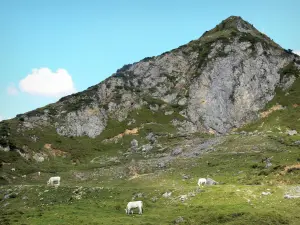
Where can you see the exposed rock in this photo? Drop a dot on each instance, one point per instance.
(151, 137)
(138, 195)
(89, 121)
(167, 194)
(176, 151)
(5, 149)
(216, 84)
(297, 142)
(154, 108)
(182, 101)
(265, 193)
(183, 198)
(186, 127)
(179, 220)
(154, 199)
(161, 165)
(39, 157)
(185, 177)
(134, 145)
(291, 132)
(287, 196)
(146, 148)
(169, 113)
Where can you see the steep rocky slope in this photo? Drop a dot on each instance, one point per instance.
(214, 84)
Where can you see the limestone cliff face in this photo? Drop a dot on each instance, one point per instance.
(219, 81)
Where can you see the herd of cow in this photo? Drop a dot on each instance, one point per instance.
(55, 181)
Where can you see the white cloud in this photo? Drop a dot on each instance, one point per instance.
(297, 52)
(1, 118)
(12, 90)
(44, 82)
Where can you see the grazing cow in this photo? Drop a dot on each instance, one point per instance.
(24, 176)
(39, 173)
(201, 181)
(13, 169)
(54, 181)
(133, 205)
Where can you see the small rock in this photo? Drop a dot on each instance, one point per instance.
(287, 196)
(266, 193)
(161, 165)
(151, 137)
(169, 113)
(179, 220)
(134, 145)
(191, 194)
(154, 199)
(176, 151)
(138, 195)
(183, 197)
(167, 194)
(297, 142)
(147, 148)
(185, 177)
(182, 101)
(25, 198)
(268, 164)
(291, 132)
(154, 108)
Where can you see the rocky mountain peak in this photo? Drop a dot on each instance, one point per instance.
(213, 84)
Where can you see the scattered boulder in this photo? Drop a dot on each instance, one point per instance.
(191, 194)
(169, 113)
(287, 196)
(291, 132)
(176, 151)
(134, 145)
(154, 107)
(265, 193)
(147, 148)
(167, 194)
(151, 137)
(179, 220)
(183, 198)
(297, 142)
(185, 177)
(161, 165)
(154, 199)
(182, 101)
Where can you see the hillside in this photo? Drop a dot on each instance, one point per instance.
(216, 106)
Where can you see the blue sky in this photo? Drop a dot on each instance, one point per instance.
(52, 48)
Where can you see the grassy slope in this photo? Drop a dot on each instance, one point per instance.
(236, 163)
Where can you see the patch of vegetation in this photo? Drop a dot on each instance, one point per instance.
(153, 101)
(77, 104)
(288, 70)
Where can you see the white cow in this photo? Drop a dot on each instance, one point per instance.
(201, 181)
(54, 181)
(39, 173)
(13, 169)
(133, 205)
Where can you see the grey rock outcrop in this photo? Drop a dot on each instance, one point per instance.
(134, 145)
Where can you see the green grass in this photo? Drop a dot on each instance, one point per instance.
(236, 164)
